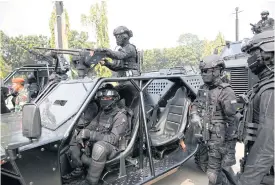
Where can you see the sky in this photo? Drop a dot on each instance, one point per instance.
(155, 23)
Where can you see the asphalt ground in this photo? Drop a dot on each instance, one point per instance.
(189, 170)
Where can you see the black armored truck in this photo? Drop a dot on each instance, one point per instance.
(35, 142)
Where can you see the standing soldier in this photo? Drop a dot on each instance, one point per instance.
(264, 23)
(125, 61)
(22, 97)
(214, 111)
(258, 133)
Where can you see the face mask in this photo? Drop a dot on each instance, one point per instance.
(256, 61)
(207, 77)
(121, 39)
(106, 104)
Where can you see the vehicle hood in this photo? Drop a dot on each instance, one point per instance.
(11, 130)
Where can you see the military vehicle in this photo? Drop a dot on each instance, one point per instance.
(45, 66)
(35, 142)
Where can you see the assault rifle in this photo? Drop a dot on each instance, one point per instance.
(255, 28)
(82, 58)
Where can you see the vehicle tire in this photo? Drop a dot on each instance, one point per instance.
(201, 157)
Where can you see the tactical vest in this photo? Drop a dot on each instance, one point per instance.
(251, 116)
(129, 64)
(209, 108)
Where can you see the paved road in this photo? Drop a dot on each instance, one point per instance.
(190, 171)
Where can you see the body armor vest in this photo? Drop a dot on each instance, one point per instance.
(251, 110)
(209, 108)
(104, 121)
(129, 64)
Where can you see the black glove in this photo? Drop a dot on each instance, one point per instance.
(86, 134)
(83, 134)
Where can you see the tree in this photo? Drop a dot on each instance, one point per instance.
(5, 69)
(210, 46)
(98, 20)
(13, 52)
(189, 52)
(79, 40)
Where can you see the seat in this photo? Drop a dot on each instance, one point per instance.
(173, 120)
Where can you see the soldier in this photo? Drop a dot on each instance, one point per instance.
(259, 112)
(214, 111)
(4, 96)
(125, 61)
(104, 134)
(22, 97)
(263, 24)
(32, 87)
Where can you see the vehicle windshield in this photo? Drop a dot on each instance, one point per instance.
(62, 103)
(234, 49)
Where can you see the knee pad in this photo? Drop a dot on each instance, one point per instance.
(99, 151)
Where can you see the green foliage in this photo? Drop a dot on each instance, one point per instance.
(5, 69)
(97, 18)
(210, 46)
(79, 40)
(189, 52)
(12, 52)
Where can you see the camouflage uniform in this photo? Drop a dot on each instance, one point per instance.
(21, 99)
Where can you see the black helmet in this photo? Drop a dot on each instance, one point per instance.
(261, 51)
(31, 78)
(107, 96)
(122, 29)
(265, 12)
(212, 61)
(211, 68)
(264, 41)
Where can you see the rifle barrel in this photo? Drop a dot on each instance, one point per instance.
(65, 50)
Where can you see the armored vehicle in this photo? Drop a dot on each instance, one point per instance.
(35, 142)
(241, 78)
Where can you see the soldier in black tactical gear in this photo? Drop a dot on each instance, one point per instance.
(265, 23)
(74, 152)
(214, 112)
(258, 120)
(32, 87)
(4, 96)
(104, 135)
(125, 61)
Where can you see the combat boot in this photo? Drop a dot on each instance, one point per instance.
(94, 172)
(75, 174)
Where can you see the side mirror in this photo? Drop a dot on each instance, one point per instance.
(31, 121)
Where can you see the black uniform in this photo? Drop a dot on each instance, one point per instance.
(32, 87)
(258, 131)
(125, 62)
(216, 107)
(89, 114)
(104, 135)
(107, 130)
(4, 95)
(264, 24)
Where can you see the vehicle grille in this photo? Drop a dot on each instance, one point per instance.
(239, 80)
